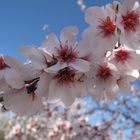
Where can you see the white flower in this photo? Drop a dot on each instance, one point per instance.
(66, 51)
(128, 22)
(67, 85)
(102, 31)
(104, 77)
(125, 59)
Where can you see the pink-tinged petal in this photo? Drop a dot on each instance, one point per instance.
(50, 43)
(81, 89)
(13, 62)
(45, 54)
(92, 41)
(69, 34)
(28, 72)
(84, 50)
(68, 95)
(38, 58)
(80, 65)
(130, 41)
(54, 90)
(14, 78)
(124, 83)
(43, 85)
(129, 5)
(22, 103)
(134, 61)
(1, 74)
(94, 14)
(38, 62)
(4, 87)
(55, 68)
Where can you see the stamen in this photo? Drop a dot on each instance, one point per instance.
(107, 27)
(65, 76)
(131, 21)
(66, 54)
(122, 56)
(2, 63)
(104, 72)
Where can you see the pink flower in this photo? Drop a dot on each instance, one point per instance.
(104, 78)
(125, 59)
(67, 84)
(102, 32)
(66, 51)
(128, 22)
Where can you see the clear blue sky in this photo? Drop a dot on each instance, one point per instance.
(22, 21)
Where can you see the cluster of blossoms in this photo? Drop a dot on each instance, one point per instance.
(105, 62)
(82, 121)
(52, 124)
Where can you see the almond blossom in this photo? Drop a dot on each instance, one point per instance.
(102, 29)
(125, 59)
(104, 76)
(67, 84)
(66, 51)
(128, 22)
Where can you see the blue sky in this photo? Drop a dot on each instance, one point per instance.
(22, 21)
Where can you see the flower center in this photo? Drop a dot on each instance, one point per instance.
(65, 76)
(107, 27)
(130, 21)
(104, 72)
(66, 54)
(2, 63)
(122, 55)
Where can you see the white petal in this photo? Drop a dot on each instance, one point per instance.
(129, 5)
(3, 85)
(13, 62)
(43, 85)
(14, 78)
(28, 72)
(50, 43)
(81, 89)
(22, 103)
(80, 65)
(69, 34)
(68, 95)
(54, 90)
(38, 62)
(56, 67)
(94, 14)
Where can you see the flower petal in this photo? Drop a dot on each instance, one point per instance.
(55, 68)
(14, 78)
(43, 85)
(69, 34)
(13, 62)
(80, 65)
(50, 43)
